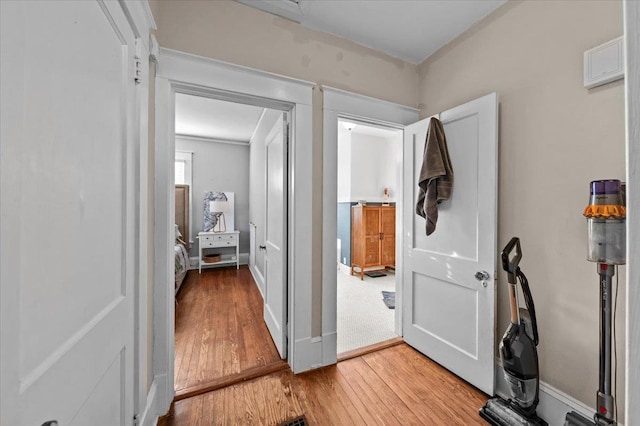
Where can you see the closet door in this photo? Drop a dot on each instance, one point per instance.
(69, 213)
(388, 231)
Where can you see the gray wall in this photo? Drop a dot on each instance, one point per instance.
(257, 183)
(219, 167)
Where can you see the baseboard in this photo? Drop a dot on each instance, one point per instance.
(344, 269)
(554, 404)
(258, 278)
(329, 348)
(149, 416)
(307, 354)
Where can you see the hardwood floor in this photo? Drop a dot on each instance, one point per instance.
(220, 331)
(396, 385)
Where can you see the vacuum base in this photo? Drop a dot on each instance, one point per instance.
(499, 412)
(575, 419)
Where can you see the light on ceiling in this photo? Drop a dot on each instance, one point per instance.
(348, 125)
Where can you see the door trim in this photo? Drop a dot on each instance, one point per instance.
(632, 100)
(342, 104)
(191, 74)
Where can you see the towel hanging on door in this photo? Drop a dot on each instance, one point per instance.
(436, 175)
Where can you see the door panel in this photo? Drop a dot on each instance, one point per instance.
(440, 300)
(388, 229)
(448, 314)
(371, 221)
(275, 238)
(460, 222)
(67, 199)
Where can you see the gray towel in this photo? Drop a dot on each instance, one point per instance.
(436, 175)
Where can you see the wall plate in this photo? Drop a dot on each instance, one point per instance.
(604, 63)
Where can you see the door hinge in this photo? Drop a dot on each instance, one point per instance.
(136, 419)
(138, 58)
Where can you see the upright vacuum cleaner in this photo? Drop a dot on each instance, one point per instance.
(518, 353)
(606, 214)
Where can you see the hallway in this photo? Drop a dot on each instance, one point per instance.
(220, 333)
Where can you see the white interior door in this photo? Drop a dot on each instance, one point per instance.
(275, 313)
(67, 213)
(448, 313)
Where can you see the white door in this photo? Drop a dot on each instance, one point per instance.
(275, 312)
(448, 313)
(67, 179)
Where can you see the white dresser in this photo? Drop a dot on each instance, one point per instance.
(210, 240)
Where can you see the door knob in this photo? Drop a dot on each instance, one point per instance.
(483, 276)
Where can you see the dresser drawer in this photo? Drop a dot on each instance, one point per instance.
(218, 240)
(219, 243)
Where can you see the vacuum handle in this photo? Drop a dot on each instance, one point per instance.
(528, 300)
(509, 263)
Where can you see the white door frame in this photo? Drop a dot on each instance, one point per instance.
(632, 99)
(342, 104)
(186, 73)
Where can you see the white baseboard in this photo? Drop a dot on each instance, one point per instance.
(149, 416)
(344, 269)
(307, 354)
(554, 404)
(258, 278)
(329, 348)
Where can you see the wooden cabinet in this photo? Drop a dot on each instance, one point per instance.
(373, 237)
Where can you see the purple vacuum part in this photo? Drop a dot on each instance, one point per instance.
(609, 186)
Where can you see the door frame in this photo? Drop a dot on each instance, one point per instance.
(632, 110)
(186, 73)
(337, 104)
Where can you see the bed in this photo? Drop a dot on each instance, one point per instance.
(182, 264)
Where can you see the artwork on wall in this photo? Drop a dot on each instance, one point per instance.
(218, 212)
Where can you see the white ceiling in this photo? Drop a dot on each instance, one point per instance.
(211, 118)
(410, 30)
(368, 129)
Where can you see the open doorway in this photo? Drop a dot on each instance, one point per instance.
(223, 155)
(369, 187)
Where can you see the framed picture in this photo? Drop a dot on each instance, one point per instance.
(218, 211)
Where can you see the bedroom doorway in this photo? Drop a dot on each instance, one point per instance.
(231, 296)
(369, 159)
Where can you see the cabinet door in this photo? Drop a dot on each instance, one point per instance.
(388, 230)
(371, 224)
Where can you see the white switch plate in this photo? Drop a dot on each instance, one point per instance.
(604, 64)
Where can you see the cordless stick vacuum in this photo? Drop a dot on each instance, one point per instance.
(605, 215)
(518, 353)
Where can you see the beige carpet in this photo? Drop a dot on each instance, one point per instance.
(363, 318)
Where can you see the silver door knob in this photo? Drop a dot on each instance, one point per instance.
(483, 276)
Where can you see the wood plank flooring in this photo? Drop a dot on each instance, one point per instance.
(220, 331)
(393, 386)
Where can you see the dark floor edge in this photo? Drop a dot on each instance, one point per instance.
(223, 382)
(371, 348)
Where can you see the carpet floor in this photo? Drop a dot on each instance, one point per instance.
(363, 318)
